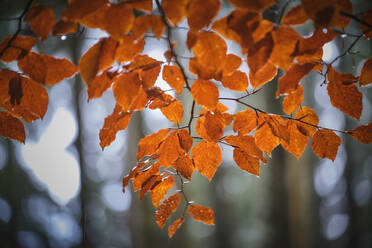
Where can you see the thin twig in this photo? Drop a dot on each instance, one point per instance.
(169, 38)
(356, 19)
(19, 28)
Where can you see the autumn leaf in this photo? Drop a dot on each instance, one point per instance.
(173, 76)
(77, 10)
(290, 81)
(344, 96)
(184, 166)
(98, 58)
(246, 162)
(145, 175)
(126, 88)
(185, 139)
(160, 190)
(149, 144)
(297, 140)
(128, 48)
(64, 27)
(116, 121)
(308, 120)
(17, 48)
(202, 214)
(327, 13)
(118, 20)
(296, 16)
(201, 12)
(253, 5)
(169, 150)
(166, 209)
(145, 5)
(41, 20)
(46, 69)
(325, 144)
(366, 73)
(205, 93)
(293, 100)
(173, 112)
(232, 63)
(30, 98)
(207, 157)
(99, 84)
(175, 11)
(174, 227)
(245, 143)
(237, 81)
(245, 121)
(265, 139)
(362, 133)
(11, 127)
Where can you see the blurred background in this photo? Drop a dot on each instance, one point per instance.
(61, 190)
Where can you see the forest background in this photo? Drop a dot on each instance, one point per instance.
(60, 189)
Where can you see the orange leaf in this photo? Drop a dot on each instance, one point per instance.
(41, 20)
(362, 133)
(99, 85)
(169, 150)
(46, 69)
(245, 121)
(278, 127)
(184, 166)
(17, 48)
(265, 139)
(253, 5)
(263, 27)
(262, 76)
(98, 58)
(185, 139)
(344, 94)
(202, 214)
(285, 40)
(327, 13)
(290, 81)
(174, 227)
(166, 209)
(246, 144)
(205, 93)
(210, 50)
(158, 26)
(214, 126)
(119, 19)
(175, 11)
(63, 27)
(151, 182)
(150, 144)
(296, 16)
(246, 162)
(11, 127)
(207, 157)
(293, 100)
(147, 68)
(297, 140)
(22, 97)
(232, 62)
(201, 12)
(307, 115)
(325, 144)
(236, 81)
(128, 48)
(366, 73)
(160, 190)
(173, 76)
(116, 121)
(144, 176)
(77, 10)
(140, 102)
(173, 112)
(126, 88)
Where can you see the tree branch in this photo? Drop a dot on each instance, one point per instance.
(19, 28)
